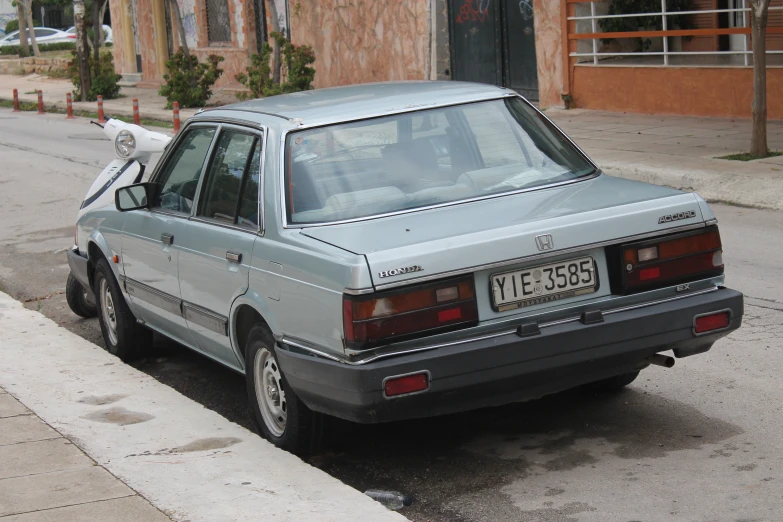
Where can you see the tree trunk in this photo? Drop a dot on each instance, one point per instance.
(174, 6)
(81, 48)
(101, 16)
(97, 29)
(25, 47)
(759, 12)
(28, 10)
(276, 65)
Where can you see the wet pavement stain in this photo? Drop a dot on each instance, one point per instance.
(208, 444)
(101, 400)
(119, 416)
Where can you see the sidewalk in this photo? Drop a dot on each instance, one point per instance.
(45, 477)
(680, 152)
(140, 436)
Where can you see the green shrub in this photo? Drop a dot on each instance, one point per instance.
(62, 46)
(104, 79)
(190, 82)
(11, 26)
(298, 74)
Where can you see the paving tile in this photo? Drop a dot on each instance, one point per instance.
(10, 407)
(24, 428)
(127, 509)
(29, 458)
(58, 489)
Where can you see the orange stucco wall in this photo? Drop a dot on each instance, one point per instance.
(698, 91)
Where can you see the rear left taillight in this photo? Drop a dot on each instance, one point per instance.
(669, 260)
(384, 317)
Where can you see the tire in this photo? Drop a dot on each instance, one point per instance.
(77, 300)
(613, 384)
(123, 336)
(281, 417)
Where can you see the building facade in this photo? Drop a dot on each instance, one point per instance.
(696, 61)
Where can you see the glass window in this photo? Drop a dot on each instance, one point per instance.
(405, 161)
(248, 204)
(14, 37)
(221, 189)
(39, 32)
(179, 177)
(218, 21)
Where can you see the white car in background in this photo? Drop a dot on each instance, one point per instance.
(106, 31)
(42, 35)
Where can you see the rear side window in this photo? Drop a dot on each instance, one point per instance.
(179, 178)
(230, 192)
(43, 32)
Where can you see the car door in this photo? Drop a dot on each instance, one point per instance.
(149, 237)
(217, 245)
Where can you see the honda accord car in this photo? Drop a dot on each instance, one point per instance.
(400, 250)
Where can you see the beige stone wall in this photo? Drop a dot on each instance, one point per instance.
(357, 41)
(549, 52)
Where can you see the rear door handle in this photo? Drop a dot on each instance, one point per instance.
(233, 256)
(167, 239)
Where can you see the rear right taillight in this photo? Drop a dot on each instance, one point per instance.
(381, 318)
(668, 260)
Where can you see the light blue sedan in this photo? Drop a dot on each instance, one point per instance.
(399, 250)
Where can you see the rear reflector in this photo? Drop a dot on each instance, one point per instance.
(707, 323)
(408, 384)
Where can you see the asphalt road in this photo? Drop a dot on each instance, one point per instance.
(701, 441)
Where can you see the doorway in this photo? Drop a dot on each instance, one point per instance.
(493, 41)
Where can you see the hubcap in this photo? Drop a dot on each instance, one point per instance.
(269, 392)
(109, 312)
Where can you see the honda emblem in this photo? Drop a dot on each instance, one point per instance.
(544, 242)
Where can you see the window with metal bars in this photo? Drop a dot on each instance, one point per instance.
(218, 21)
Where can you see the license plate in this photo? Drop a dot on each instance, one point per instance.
(544, 283)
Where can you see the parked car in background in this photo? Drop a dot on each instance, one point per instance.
(42, 35)
(106, 32)
(399, 250)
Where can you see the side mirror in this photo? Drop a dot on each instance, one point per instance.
(134, 197)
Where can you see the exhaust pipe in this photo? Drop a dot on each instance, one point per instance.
(662, 360)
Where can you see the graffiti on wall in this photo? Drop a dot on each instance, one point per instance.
(526, 8)
(473, 11)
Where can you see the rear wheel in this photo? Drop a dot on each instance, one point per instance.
(613, 384)
(76, 296)
(281, 417)
(123, 336)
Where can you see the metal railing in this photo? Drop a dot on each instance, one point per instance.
(665, 32)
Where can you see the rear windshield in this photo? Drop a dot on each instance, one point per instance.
(418, 159)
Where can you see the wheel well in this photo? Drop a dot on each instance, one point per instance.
(246, 318)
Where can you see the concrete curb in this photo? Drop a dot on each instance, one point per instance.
(737, 189)
(186, 460)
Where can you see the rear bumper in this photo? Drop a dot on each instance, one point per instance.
(499, 370)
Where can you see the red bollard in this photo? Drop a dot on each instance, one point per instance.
(176, 117)
(136, 118)
(16, 100)
(101, 118)
(40, 102)
(69, 106)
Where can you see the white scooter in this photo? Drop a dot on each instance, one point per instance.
(134, 146)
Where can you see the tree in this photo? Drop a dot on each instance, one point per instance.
(276, 65)
(98, 11)
(81, 48)
(22, 29)
(759, 13)
(27, 8)
(174, 7)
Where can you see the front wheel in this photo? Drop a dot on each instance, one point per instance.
(76, 296)
(281, 417)
(124, 337)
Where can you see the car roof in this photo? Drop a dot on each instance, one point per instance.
(355, 102)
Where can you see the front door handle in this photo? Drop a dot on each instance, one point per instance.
(167, 239)
(233, 256)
